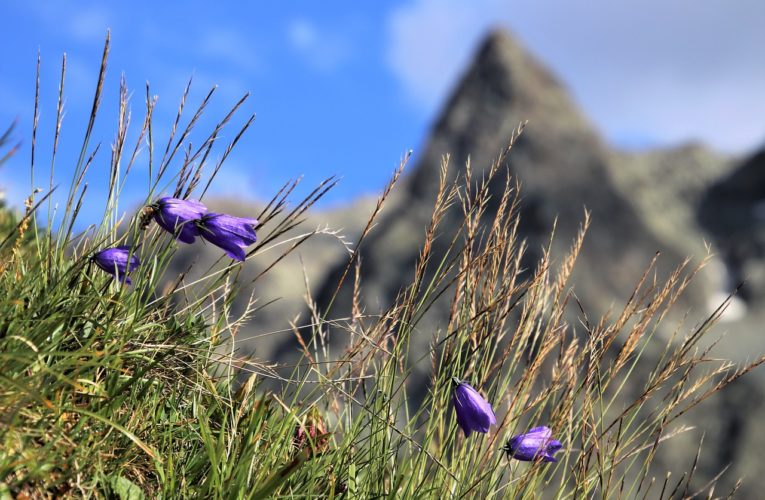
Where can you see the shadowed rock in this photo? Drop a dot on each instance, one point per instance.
(733, 211)
(563, 167)
(641, 203)
(560, 162)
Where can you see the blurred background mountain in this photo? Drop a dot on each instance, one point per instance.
(674, 201)
(648, 189)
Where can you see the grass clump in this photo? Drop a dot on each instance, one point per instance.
(109, 390)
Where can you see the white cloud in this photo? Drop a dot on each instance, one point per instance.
(228, 46)
(85, 23)
(89, 24)
(302, 34)
(431, 42)
(235, 179)
(671, 71)
(322, 50)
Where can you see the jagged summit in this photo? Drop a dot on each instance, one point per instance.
(503, 86)
(559, 159)
(641, 203)
(563, 166)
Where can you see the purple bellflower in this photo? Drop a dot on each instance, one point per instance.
(177, 217)
(536, 444)
(115, 262)
(473, 412)
(232, 234)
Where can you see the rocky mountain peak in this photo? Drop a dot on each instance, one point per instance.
(503, 86)
(563, 167)
(560, 161)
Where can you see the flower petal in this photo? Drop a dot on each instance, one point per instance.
(232, 234)
(115, 262)
(177, 216)
(473, 412)
(535, 444)
(234, 226)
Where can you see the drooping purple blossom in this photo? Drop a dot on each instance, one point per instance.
(232, 234)
(535, 444)
(178, 216)
(118, 262)
(474, 413)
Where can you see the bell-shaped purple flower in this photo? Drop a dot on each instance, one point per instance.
(473, 412)
(232, 234)
(536, 444)
(115, 262)
(178, 216)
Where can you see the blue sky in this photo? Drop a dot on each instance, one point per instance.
(347, 87)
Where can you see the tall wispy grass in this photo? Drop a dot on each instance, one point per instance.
(130, 392)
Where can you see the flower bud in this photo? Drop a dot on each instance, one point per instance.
(536, 444)
(473, 412)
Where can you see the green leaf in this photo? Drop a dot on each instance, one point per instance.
(280, 477)
(125, 489)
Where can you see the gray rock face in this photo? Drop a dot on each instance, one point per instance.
(281, 291)
(666, 186)
(640, 204)
(562, 165)
(733, 211)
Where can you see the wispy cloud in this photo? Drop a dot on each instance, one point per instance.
(228, 46)
(323, 50)
(89, 24)
(674, 71)
(430, 42)
(236, 179)
(85, 23)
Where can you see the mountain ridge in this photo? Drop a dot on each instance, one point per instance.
(640, 204)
